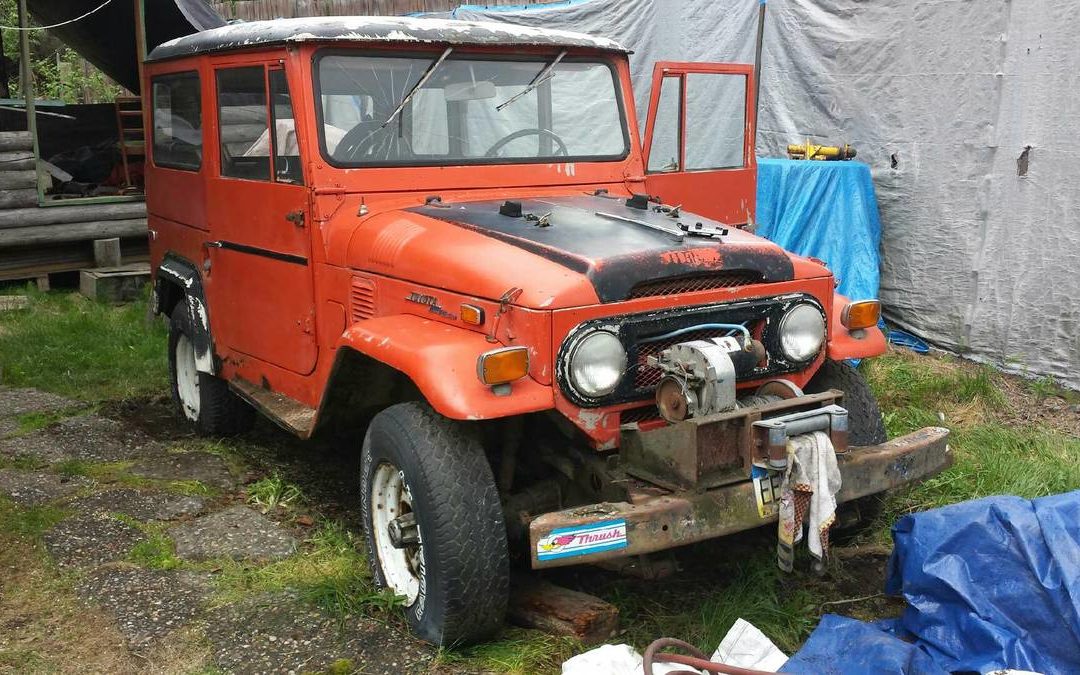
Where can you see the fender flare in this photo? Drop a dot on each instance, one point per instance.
(843, 344)
(185, 275)
(440, 360)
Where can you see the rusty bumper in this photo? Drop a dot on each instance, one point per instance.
(651, 523)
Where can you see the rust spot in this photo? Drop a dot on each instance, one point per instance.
(709, 257)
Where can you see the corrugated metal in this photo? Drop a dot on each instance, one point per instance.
(253, 10)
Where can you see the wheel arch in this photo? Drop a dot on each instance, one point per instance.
(398, 358)
(178, 280)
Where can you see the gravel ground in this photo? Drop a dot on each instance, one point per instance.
(147, 604)
(237, 532)
(138, 504)
(152, 608)
(33, 488)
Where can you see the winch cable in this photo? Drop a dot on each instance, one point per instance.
(697, 660)
(732, 327)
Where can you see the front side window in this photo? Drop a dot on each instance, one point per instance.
(470, 110)
(177, 134)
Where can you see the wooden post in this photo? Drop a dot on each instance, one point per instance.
(107, 252)
(539, 604)
(28, 89)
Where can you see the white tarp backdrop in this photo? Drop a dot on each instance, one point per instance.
(940, 97)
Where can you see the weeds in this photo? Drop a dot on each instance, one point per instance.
(86, 350)
(30, 522)
(272, 492)
(156, 551)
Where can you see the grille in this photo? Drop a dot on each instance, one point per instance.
(646, 414)
(362, 298)
(704, 282)
(646, 377)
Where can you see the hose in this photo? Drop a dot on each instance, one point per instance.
(702, 326)
(697, 660)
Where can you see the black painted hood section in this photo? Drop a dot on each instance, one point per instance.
(614, 254)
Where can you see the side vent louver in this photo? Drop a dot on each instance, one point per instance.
(362, 298)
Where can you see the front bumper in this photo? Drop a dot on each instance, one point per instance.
(655, 522)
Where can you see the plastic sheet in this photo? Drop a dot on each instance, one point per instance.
(826, 210)
(990, 584)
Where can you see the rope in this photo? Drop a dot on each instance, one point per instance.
(57, 25)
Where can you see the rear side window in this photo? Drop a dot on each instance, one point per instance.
(243, 123)
(177, 135)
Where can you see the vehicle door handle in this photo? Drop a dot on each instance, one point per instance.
(214, 244)
(295, 217)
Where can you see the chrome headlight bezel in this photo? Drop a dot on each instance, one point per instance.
(801, 333)
(587, 346)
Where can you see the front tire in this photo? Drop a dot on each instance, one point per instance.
(433, 523)
(202, 399)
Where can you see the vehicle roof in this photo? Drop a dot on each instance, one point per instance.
(381, 29)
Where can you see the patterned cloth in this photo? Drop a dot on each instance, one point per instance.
(807, 496)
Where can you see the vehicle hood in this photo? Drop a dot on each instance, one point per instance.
(588, 249)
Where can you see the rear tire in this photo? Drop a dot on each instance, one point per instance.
(425, 469)
(865, 427)
(204, 400)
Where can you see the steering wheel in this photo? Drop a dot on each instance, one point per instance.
(493, 151)
(357, 141)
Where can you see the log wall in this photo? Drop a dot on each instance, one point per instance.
(36, 240)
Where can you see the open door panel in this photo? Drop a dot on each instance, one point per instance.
(699, 139)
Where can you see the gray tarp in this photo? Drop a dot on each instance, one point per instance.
(941, 97)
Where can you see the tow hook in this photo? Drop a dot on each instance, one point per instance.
(403, 531)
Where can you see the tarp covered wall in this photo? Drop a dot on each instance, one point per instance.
(941, 97)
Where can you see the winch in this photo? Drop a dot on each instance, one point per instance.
(699, 376)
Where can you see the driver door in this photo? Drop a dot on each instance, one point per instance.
(699, 139)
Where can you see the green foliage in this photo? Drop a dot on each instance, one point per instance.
(517, 651)
(156, 551)
(272, 492)
(83, 349)
(29, 522)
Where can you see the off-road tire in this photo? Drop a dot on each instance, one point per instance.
(865, 427)
(466, 576)
(221, 412)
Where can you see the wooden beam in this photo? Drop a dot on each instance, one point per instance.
(52, 234)
(17, 160)
(539, 604)
(71, 214)
(11, 141)
(18, 199)
(18, 180)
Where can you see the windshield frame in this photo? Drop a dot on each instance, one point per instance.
(461, 54)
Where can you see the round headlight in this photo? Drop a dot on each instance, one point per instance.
(802, 331)
(597, 364)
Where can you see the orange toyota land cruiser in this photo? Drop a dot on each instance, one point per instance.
(551, 342)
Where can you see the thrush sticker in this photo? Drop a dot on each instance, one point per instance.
(579, 540)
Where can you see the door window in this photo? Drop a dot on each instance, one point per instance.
(242, 123)
(715, 121)
(177, 133)
(286, 146)
(665, 150)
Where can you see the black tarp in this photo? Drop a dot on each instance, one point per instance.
(107, 37)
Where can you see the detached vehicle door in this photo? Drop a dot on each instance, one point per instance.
(699, 147)
(261, 287)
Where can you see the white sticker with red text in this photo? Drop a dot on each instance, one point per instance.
(586, 539)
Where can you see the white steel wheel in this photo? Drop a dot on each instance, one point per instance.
(398, 545)
(187, 378)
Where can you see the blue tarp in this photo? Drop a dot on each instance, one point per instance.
(990, 584)
(825, 210)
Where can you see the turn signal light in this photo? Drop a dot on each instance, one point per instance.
(472, 315)
(500, 366)
(862, 314)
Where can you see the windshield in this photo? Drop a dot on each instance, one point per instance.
(469, 111)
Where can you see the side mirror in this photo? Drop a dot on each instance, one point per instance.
(469, 91)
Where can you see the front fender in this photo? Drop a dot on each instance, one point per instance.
(843, 344)
(184, 276)
(441, 361)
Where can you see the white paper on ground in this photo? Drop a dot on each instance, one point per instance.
(747, 647)
(614, 660)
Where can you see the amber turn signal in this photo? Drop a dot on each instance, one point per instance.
(862, 314)
(500, 366)
(472, 315)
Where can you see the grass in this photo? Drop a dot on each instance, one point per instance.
(90, 351)
(28, 523)
(117, 472)
(273, 491)
(330, 571)
(35, 421)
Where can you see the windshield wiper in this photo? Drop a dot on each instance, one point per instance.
(416, 87)
(540, 78)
